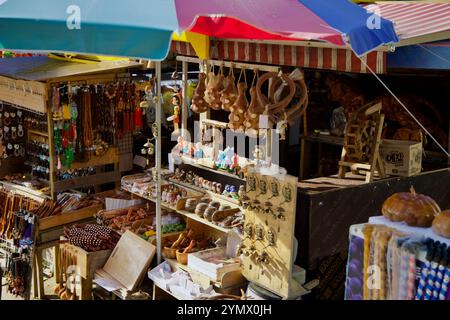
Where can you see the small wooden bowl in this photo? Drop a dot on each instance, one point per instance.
(182, 257)
(169, 253)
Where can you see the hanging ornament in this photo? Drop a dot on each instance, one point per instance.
(138, 119)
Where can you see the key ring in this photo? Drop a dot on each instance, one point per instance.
(10, 146)
(274, 188)
(6, 134)
(20, 132)
(16, 150)
(13, 133)
(7, 119)
(22, 151)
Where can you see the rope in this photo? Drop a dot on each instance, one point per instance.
(406, 109)
(434, 54)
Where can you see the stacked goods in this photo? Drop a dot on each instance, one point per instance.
(65, 203)
(219, 214)
(408, 267)
(137, 219)
(91, 237)
(185, 243)
(129, 183)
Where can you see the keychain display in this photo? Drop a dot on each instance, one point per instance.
(269, 204)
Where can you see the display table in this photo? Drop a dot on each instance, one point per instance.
(328, 206)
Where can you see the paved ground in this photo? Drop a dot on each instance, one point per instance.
(49, 285)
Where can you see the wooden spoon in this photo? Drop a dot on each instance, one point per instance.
(74, 295)
(63, 275)
(59, 286)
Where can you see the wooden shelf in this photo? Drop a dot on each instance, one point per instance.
(163, 205)
(82, 182)
(195, 217)
(185, 213)
(24, 191)
(110, 157)
(333, 140)
(193, 163)
(211, 194)
(38, 133)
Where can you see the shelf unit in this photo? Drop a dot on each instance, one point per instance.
(193, 163)
(213, 195)
(184, 213)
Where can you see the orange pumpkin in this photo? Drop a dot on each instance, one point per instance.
(441, 224)
(417, 210)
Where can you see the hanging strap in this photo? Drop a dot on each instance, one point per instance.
(231, 71)
(255, 77)
(240, 76)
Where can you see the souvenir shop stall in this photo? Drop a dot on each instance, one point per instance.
(66, 125)
(383, 144)
(234, 207)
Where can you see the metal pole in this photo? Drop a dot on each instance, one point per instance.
(158, 162)
(184, 109)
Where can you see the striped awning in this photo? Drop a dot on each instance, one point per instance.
(326, 58)
(413, 20)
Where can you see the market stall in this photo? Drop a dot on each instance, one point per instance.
(227, 216)
(402, 255)
(54, 151)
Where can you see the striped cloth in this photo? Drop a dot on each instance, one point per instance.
(438, 282)
(422, 281)
(444, 285)
(430, 281)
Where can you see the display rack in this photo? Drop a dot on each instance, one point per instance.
(8, 248)
(206, 115)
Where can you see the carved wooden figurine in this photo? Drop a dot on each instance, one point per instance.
(199, 104)
(238, 109)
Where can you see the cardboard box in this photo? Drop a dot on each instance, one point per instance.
(212, 262)
(401, 158)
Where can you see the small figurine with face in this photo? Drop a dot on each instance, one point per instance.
(180, 144)
(176, 112)
(198, 154)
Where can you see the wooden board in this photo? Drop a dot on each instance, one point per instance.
(68, 217)
(82, 182)
(31, 95)
(276, 274)
(130, 260)
(110, 157)
(88, 262)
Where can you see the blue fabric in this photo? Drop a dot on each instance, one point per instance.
(351, 20)
(109, 27)
(420, 57)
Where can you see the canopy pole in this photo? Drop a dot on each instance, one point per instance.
(184, 105)
(158, 161)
